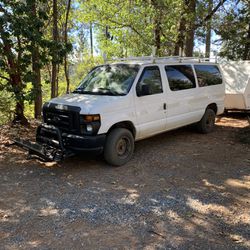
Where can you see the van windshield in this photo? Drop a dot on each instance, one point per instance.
(115, 79)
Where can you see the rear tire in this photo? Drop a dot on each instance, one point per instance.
(206, 124)
(119, 147)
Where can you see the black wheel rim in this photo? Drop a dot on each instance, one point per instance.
(210, 121)
(123, 147)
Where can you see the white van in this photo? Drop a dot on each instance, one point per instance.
(119, 103)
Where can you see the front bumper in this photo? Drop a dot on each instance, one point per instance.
(70, 141)
(53, 145)
(84, 143)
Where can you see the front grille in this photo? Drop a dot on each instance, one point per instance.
(67, 119)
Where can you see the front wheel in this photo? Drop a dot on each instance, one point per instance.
(119, 147)
(206, 124)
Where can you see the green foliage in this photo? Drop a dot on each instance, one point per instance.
(80, 69)
(131, 24)
(7, 106)
(234, 30)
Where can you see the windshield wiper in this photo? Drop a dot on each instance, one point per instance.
(105, 92)
(81, 91)
(108, 91)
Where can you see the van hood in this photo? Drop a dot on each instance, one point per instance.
(92, 104)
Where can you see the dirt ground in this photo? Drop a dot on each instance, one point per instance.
(181, 190)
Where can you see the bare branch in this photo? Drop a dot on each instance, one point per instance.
(4, 77)
(210, 15)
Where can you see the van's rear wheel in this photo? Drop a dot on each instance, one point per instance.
(206, 124)
(119, 146)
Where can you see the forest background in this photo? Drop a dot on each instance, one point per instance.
(48, 46)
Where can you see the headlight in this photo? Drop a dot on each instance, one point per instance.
(89, 128)
(90, 124)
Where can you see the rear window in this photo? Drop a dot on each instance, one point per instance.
(180, 77)
(208, 75)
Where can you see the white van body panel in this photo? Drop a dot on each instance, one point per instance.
(149, 110)
(112, 109)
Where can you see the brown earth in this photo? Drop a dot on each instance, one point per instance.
(181, 190)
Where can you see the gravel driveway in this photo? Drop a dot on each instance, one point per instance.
(181, 190)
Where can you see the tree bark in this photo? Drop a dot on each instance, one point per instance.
(91, 39)
(179, 46)
(208, 31)
(66, 69)
(189, 42)
(54, 91)
(37, 87)
(157, 27)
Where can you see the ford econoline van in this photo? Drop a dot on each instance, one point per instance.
(128, 100)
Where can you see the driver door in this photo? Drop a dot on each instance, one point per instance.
(150, 102)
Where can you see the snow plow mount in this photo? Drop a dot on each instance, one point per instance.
(48, 146)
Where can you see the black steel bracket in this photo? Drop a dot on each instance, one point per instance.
(45, 148)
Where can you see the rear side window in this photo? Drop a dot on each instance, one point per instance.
(149, 82)
(180, 77)
(208, 75)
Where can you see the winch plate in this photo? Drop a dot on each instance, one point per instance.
(45, 152)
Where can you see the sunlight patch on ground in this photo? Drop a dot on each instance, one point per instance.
(34, 243)
(198, 206)
(209, 184)
(232, 122)
(50, 164)
(130, 198)
(240, 239)
(88, 210)
(173, 216)
(49, 211)
(238, 183)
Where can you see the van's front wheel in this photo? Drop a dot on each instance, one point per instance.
(206, 124)
(119, 146)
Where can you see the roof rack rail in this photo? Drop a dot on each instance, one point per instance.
(155, 59)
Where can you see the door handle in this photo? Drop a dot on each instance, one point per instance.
(164, 106)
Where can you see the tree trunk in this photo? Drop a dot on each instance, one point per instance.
(66, 70)
(15, 80)
(55, 56)
(91, 39)
(179, 46)
(157, 35)
(37, 87)
(189, 43)
(157, 27)
(37, 82)
(208, 31)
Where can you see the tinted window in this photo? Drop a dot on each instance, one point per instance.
(150, 82)
(208, 75)
(180, 77)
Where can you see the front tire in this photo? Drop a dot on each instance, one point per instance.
(206, 124)
(119, 147)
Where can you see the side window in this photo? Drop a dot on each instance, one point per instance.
(149, 82)
(180, 77)
(208, 75)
